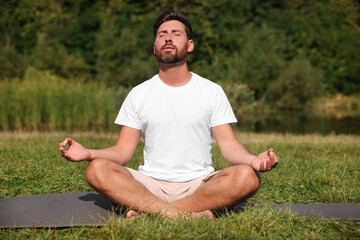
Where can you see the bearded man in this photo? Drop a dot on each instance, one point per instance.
(176, 112)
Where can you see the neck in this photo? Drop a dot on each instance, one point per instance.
(175, 75)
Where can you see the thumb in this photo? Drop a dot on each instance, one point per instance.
(69, 141)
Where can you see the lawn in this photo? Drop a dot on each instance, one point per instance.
(313, 168)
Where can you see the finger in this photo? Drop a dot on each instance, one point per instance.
(64, 156)
(270, 153)
(66, 141)
(274, 164)
(276, 160)
(267, 165)
(61, 149)
(62, 144)
(261, 168)
(272, 158)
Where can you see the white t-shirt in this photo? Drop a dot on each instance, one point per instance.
(175, 123)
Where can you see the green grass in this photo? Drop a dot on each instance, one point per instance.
(312, 168)
(42, 101)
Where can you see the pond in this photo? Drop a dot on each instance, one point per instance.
(300, 123)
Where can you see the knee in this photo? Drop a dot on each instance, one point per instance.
(95, 173)
(246, 180)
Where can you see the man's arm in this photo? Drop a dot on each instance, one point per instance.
(120, 153)
(236, 154)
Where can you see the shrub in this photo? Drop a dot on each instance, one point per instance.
(297, 86)
(240, 96)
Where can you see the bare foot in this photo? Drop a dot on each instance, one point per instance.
(132, 213)
(206, 213)
(192, 215)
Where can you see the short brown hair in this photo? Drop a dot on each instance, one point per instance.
(173, 15)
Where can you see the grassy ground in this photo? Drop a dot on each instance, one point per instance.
(312, 168)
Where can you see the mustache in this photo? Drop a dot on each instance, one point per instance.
(167, 45)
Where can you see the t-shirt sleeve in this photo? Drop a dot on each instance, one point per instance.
(222, 112)
(128, 114)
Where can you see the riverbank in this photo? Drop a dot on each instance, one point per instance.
(338, 103)
(44, 102)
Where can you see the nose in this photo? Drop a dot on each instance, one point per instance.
(168, 39)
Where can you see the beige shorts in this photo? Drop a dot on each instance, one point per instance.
(170, 191)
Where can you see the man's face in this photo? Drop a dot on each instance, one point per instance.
(171, 43)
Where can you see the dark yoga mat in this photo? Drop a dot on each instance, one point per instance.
(55, 210)
(347, 211)
(92, 209)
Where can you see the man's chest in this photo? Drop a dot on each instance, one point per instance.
(176, 109)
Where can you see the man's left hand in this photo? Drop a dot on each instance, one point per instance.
(265, 161)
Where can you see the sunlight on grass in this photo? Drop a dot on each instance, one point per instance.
(313, 168)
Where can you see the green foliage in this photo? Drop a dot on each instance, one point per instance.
(52, 56)
(261, 59)
(78, 34)
(298, 84)
(240, 96)
(124, 51)
(327, 32)
(43, 101)
(119, 57)
(11, 63)
(19, 24)
(241, 42)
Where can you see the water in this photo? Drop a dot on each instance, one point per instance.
(296, 123)
(300, 123)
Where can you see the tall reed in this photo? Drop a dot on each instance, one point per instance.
(42, 101)
(45, 102)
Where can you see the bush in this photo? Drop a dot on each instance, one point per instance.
(50, 55)
(261, 59)
(240, 96)
(11, 63)
(297, 86)
(120, 61)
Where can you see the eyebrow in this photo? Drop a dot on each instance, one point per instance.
(173, 30)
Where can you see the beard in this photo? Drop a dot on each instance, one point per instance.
(169, 58)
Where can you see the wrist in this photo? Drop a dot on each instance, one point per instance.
(91, 155)
(251, 158)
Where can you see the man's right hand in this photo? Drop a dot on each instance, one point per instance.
(265, 161)
(75, 152)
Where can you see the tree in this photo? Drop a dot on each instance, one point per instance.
(298, 84)
(11, 64)
(261, 59)
(327, 32)
(51, 55)
(121, 61)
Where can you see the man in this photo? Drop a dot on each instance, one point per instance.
(176, 112)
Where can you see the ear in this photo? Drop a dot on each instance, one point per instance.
(154, 49)
(190, 45)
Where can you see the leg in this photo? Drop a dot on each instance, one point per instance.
(229, 187)
(117, 184)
